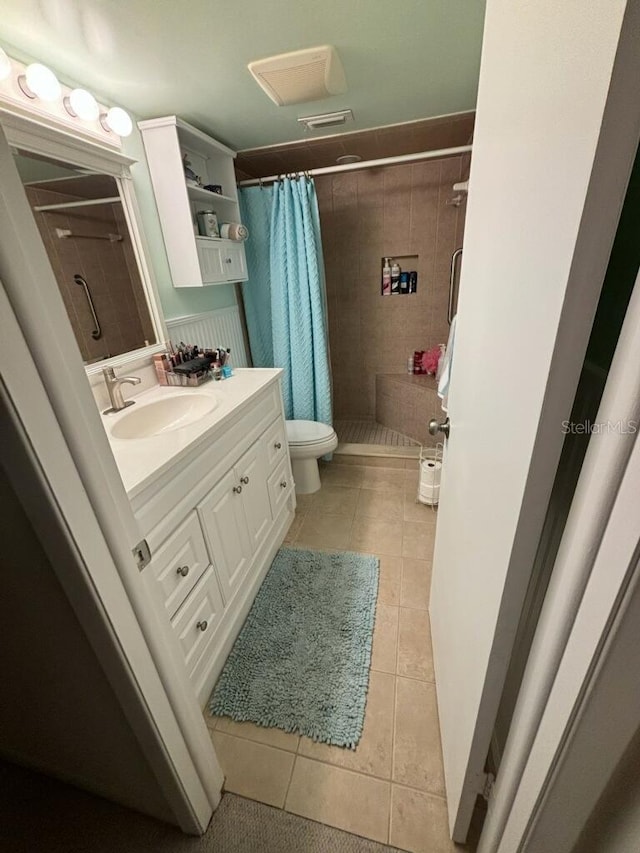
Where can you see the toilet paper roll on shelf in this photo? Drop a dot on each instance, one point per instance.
(429, 484)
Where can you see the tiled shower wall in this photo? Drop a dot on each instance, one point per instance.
(368, 215)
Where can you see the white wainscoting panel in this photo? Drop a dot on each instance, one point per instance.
(219, 328)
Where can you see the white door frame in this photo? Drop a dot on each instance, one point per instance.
(593, 709)
(33, 297)
(593, 508)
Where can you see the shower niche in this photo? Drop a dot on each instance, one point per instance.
(407, 275)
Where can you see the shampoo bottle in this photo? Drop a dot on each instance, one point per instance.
(395, 277)
(386, 277)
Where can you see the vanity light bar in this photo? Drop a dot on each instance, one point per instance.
(38, 87)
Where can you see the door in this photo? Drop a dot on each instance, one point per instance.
(45, 381)
(234, 262)
(548, 176)
(251, 472)
(211, 259)
(223, 520)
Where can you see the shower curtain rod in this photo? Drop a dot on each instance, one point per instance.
(367, 164)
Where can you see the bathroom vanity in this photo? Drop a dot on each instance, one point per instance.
(208, 475)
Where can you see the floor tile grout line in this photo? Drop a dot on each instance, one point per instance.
(393, 749)
(293, 767)
(419, 790)
(388, 780)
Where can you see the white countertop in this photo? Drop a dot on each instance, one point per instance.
(141, 460)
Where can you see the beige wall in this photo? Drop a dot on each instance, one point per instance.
(365, 216)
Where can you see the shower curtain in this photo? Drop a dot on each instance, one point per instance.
(285, 301)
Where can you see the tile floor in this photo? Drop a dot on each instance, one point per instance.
(391, 788)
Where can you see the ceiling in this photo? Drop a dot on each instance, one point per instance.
(404, 59)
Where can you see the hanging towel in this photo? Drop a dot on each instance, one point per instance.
(445, 375)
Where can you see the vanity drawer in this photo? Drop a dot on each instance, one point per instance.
(275, 443)
(179, 563)
(280, 487)
(198, 618)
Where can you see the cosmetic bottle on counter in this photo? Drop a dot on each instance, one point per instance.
(162, 367)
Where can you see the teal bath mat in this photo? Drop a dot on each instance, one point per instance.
(301, 661)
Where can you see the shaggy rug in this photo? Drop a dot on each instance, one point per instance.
(301, 661)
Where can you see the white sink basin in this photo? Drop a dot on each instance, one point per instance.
(143, 421)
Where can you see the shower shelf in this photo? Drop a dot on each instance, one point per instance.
(412, 265)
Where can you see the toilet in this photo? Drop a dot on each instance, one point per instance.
(308, 441)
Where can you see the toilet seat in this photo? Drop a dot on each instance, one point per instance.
(308, 433)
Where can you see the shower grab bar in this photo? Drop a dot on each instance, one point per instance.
(97, 332)
(452, 285)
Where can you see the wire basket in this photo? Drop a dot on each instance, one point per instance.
(428, 491)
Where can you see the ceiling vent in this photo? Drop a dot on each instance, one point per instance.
(301, 76)
(323, 120)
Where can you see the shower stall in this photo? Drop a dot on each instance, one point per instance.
(408, 212)
(410, 208)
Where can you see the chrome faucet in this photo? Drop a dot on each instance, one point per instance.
(115, 390)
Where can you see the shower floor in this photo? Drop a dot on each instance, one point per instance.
(370, 432)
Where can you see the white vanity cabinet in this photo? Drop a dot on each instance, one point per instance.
(214, 525)
(194, 260)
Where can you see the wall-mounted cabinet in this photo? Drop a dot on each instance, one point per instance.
(194, 260)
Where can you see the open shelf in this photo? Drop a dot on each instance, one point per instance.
(207, 195)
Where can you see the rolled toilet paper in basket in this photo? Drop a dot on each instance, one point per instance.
(234, 231)
(429, 487)
(430, 472)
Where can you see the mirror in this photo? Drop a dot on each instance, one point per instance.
(81, 219)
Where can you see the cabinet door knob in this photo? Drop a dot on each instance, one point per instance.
(237, 489)
(278, 445)
(202, 625)
(182, 570)
(227, 260)
(283, 484)
(244, 480)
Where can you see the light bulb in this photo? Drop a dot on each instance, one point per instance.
(117, 121)
(82, 104)
(38, 81)
(5, 65)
